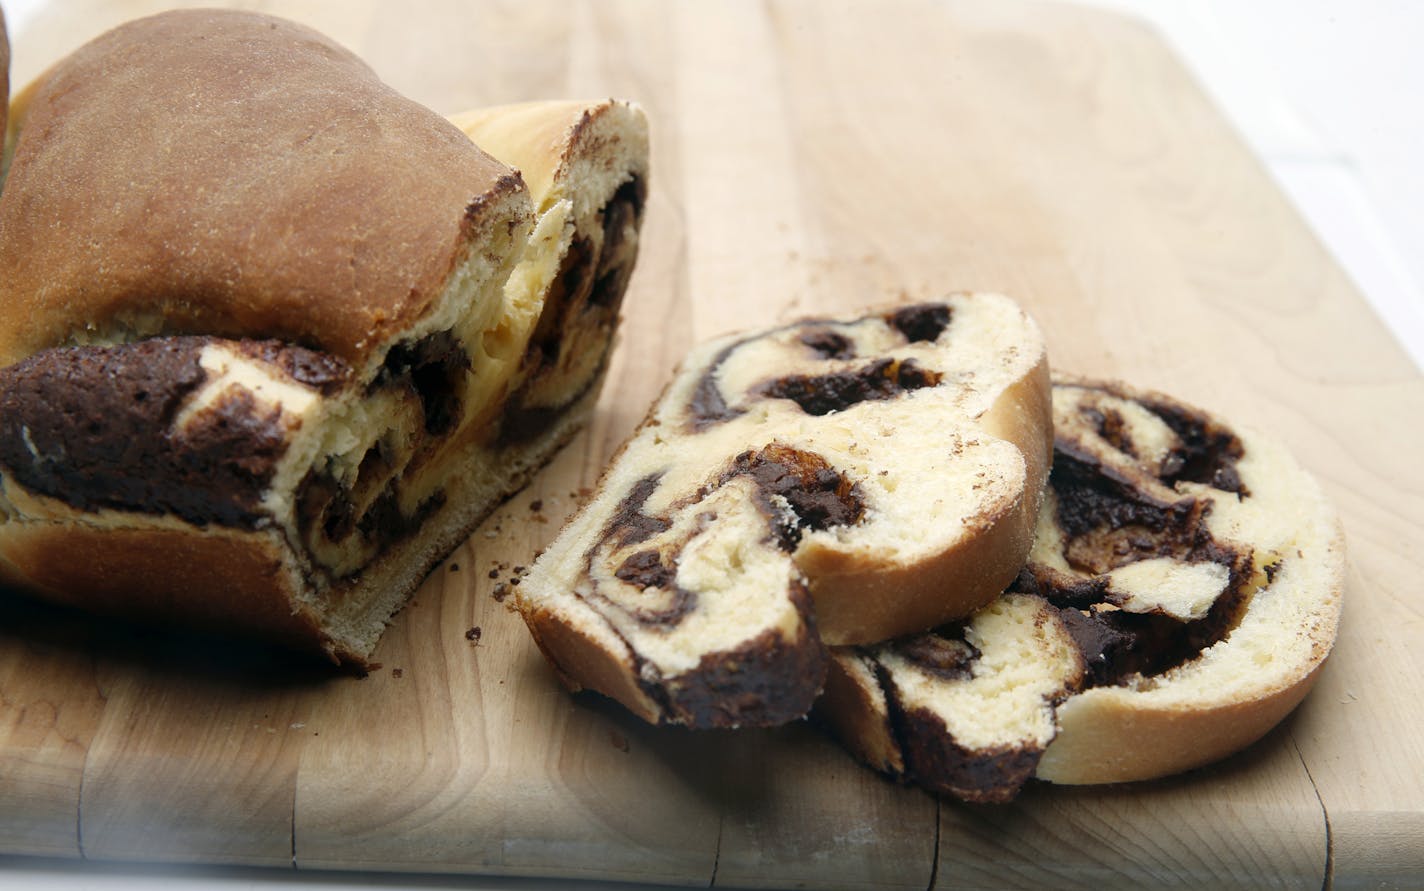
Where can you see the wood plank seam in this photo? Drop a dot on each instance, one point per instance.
(717, 850)
(79, 808)
(1329, 881)
(934, 859)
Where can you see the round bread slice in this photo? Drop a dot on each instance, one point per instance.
(261, 331)
(1182, 593)
(836, 481)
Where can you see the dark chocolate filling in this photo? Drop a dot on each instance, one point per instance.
(983, 776)
(622, 214)
(768, 680)
(326, 509)
(1110, 425)
(943, 652)
(434, 367)
(645, 569)
(579, 313)
(1108, 522)
(629, 525)
(765, 682)
(570, 287)
(320, 371)
(1116, 644)
(708, 406)
(1093, 498)
(1208, 454)
(90, 426)
(383, 524)
(921, 322)
(824, 393)
(819, 497)
(828, 344)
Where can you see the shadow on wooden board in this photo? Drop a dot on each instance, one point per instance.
(62, 631)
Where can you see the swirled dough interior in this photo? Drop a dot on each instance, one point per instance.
(827, 480)
(1182, 593)
(264, 331)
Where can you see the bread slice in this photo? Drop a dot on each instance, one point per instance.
(259, 370)
(1182, 593)
(834, 481)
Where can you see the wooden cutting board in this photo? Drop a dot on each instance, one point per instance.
(809, 157)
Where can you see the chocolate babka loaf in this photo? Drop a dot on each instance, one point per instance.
(265, 328)
(827, 481)
(1182, 593)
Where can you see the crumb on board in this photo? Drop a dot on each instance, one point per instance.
(473, 635)
(397, 672)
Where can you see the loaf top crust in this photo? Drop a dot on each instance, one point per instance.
(226, 173)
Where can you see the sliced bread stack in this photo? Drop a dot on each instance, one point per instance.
(845, 506)
(832, 481)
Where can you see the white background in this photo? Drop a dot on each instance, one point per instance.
(1330, 96)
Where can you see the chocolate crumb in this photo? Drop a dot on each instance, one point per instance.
(473, 635)
(454, 567)
(500, 592)
(397, 672)
(494, 573)
(536, 505)
(519, 570)
(516, 580)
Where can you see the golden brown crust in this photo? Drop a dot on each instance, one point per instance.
(216, 579)
(123, 147)
(580, 663)
(851, 706)
(1114, 741)
(537, 138)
